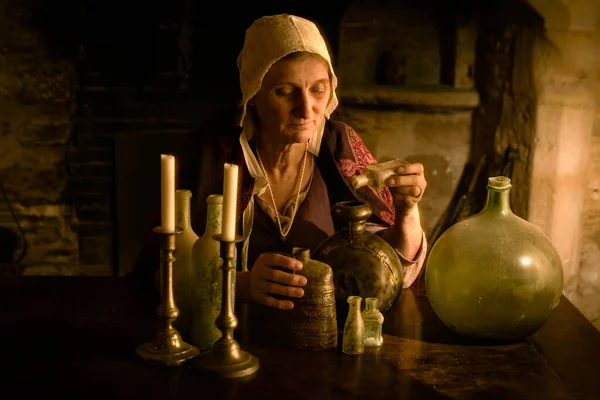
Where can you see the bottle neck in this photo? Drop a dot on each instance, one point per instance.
(371, 304)
(498, 201)
(354, 304)
(183, 211)
(356, 228)
(214, 218)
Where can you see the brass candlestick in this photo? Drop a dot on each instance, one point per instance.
(168, 349)
(226, 358)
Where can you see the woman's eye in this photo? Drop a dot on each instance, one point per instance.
(284, 91)
(320, 89)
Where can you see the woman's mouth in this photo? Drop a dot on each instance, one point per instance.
(302, 125)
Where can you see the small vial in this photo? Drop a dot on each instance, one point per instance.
(373, 321)
(375, 175)
(354, 329)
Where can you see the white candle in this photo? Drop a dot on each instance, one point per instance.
(230, 185)
(167, 192)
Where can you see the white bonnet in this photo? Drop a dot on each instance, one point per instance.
(271, 38)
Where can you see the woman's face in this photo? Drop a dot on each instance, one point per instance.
(293, 98)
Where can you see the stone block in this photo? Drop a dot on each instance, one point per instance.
(52, 269)
(44, 132)
(38, 176)
(49, 242)
(44, 81)
(10, 86)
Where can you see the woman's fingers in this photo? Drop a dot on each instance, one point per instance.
(273, 275)
(405, 180)
(412, 191)
(276, 260)
(278, 276)
(271, 301)
(281, 290)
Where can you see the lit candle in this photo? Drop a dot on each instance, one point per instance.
(167, 192)
(230, 184)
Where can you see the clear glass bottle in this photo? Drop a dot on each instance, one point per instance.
(207, 278)
(494, 275)
(354, 329)
(182, 267)
(373, 321)
(375, 175)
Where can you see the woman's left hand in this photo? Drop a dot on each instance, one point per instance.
(407, 187)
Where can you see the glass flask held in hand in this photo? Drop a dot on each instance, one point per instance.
(375, 175)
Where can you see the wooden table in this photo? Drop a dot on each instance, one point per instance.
(74, 338)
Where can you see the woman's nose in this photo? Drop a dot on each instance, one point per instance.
(303, 106)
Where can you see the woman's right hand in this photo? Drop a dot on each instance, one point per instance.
(267, 280)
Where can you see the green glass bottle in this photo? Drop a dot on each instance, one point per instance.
(207, 278)
(182, 267)
(494, 275)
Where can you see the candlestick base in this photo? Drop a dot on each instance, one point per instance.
(243, 364)
(226, 358)
(168, 349)
(158, 353)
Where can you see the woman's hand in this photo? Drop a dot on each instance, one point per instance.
(407, 187)
(267, 280)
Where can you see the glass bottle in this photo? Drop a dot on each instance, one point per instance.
(375, 175)
(494, 275)
(207, 278)
(354, 329)
(182, 267)
(373, 321)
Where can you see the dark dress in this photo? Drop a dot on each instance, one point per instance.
(200, 162)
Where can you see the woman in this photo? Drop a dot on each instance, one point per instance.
(295, 163)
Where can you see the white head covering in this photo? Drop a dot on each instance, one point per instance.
(268, 40)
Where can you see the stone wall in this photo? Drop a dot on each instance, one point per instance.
(406, 86)
(506, 118)
(37, 84)
(537, 97)
(562, 197)
(589, 274)
(133, 85)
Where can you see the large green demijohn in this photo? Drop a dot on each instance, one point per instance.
(494, 275)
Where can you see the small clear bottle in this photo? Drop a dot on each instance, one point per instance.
(354, 329)
(373, 321)
(375, 175)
